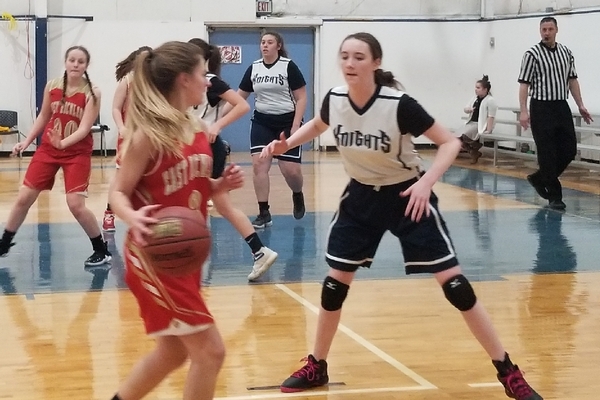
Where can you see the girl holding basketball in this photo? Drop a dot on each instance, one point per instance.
(69, 109)
(167, 161)
(211, 111)
(119, 108)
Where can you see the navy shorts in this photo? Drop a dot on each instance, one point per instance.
(262, 134)
(219, 150)
(367, 212)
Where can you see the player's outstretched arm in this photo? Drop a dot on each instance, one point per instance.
(306, 133)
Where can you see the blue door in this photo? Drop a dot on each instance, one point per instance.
(299, 43)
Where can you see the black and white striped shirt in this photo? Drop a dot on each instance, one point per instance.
(548, 71)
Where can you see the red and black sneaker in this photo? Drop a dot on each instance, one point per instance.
(313, 374)
(516, 387)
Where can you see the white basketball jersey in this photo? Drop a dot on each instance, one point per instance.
(370, 141)
(271, 87)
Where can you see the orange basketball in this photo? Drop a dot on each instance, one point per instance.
(180, 242)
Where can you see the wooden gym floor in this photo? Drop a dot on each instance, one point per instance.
(68, 333)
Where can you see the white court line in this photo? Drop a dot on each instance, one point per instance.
(313, 393)
(425, 384)
(484, 385)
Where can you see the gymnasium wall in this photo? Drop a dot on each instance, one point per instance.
(437, 61)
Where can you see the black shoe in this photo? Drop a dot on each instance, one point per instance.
(262, 220)
(557, 205)
(475, 156)
(539, 188)
(5, 247)
(313, 374)
(299, 209)
(98, 258)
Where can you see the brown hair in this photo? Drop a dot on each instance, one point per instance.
(125, 66)
(382, 77)
(87, 77)
(212, 55)
(279, 39)
(485, 83)
(549, 19)
(154, 75)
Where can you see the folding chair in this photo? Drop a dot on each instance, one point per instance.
(100, 128)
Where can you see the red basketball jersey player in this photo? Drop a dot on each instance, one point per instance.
(164, 163)
(167, 301)
(69, 109)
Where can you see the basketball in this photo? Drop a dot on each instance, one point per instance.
(180, 242)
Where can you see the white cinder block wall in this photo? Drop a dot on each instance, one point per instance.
(437, 58)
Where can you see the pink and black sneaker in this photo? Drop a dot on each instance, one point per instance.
(313, 374)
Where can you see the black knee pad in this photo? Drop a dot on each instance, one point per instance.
(459, 293)
(333, 294)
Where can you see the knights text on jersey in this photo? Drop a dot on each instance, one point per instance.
(375, 141)
(273, 85)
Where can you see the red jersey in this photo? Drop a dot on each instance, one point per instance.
(66, 118)
(176, 181)
(165, 300)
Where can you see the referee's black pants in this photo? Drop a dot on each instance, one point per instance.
(554, 135)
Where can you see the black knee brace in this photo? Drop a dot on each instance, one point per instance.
(459, 293)
(333, 294)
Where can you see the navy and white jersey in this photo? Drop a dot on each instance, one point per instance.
(375, 141)
(212, 105)
(273, 85)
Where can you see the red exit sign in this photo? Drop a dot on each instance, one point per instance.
(264, 7)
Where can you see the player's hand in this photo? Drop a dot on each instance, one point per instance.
(17, 149)
(524, 119)
(276, 147)
(212, 133)
(587, 117)
(418, 203)
(55, 138)
(140, 222)
(233, 177)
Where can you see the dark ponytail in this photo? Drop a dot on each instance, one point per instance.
(212, 55)
(485, 83)
(386, 78)
(125, 66)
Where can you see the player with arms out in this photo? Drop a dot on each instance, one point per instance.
(373, 123)
(69, 109)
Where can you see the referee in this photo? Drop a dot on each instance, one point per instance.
(547, 75)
